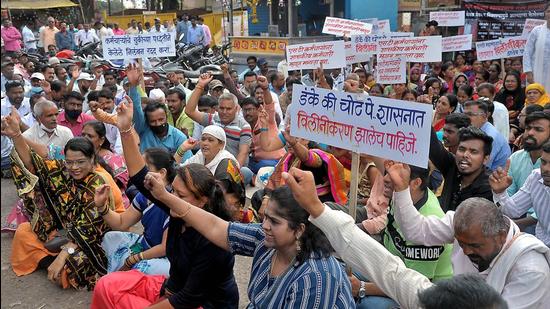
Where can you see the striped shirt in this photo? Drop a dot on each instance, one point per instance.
(237, 132)
(316, 283)
(534, 193)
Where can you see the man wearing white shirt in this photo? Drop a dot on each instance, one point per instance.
(29, 40)
(535, 193)
(101, 30)
(158, 28)
(46, 131)
(485, 242)
(85, 36)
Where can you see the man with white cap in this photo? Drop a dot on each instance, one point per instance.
(36, 87)
(54, 62)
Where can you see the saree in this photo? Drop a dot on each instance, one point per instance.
(56, 203)
(335, 172)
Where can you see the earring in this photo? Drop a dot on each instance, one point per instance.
(298, 246)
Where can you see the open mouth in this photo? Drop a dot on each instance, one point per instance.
(463, 164)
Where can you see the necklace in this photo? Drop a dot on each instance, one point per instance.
(275, 256)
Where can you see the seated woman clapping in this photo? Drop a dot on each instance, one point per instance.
(146, 251)
(201, 274)
(59, 197)
(292, 263)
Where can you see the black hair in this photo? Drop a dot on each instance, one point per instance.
(292, 81)
(546, 146)
(200, 182)
(57, 69)
(45, 67)
(469, 90)
(534, 116)
(312, 240)
(93, 96)
(408, 91)
(273, 76)
(430, 81)
(14, 84)
(74, 95)
(161, 158)
(485, 74)
(110, 72)
(529, 109)
(250, 73)
(106, 93)
(471, 133)
(459, 120)
(453, 100)
(151, 107)
(461, 291)
(455, 88)
(229, 184)
(250, 100)
(101, 131)
(445, 66)
(330, 80)
(207, 101)
(499, 69)
(379, 86)
(181, 94)
(85, 146)
(423, 174)
(251, 57)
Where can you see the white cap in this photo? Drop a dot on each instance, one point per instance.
(53, 60)
(157, 95)
(40, 76)
(85, 76)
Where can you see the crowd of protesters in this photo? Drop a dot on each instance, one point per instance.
(91, 155)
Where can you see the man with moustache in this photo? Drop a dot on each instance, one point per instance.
(45, 130)
(535, 193)
(515, 264)
(464, 172)
(523, 162)
(453, 123)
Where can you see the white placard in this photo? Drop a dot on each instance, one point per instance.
(387, 128)
(383, 26)
(391, 71)
(448, 18)
(348, 27)
(131, 46)
(530, 24)
(330, 54)
(417, 49)
(351, 55)
(365, 45)
(456, 43)
(501, 48)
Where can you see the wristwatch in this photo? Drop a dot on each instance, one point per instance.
(69, 250)
(362, 290)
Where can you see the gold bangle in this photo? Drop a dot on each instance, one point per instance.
(127, 130)
(199, 87)
(104, 211)
(141, 256)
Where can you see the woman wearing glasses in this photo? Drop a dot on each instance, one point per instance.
(59, 197)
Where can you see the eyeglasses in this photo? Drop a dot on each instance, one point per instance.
(77, 164)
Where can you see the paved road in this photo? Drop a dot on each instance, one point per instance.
(34, 291)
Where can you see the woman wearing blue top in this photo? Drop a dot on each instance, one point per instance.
(292, 265)
(145, 252)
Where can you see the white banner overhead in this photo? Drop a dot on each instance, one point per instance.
(417, 49)
(311, 55)
(348, 27)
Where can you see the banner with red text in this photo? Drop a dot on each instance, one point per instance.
(417, 49)
(330, 54)
(456, 43)
(391, 71)
(348, 27)
(501, 48)
(448, 18)
(365, 45)
(387, 128)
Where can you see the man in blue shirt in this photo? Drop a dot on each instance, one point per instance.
(195, 33)
(152, 123)
(64, 39)
(478, 112)
(182, 27)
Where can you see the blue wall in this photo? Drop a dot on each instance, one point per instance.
(262, 12)
(381, 9)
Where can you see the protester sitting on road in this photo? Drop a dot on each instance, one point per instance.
(145, 252)
(536, 94)
(292, 263)
(67, 189)
(201, 274)
(408, 287)
(45, 130)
